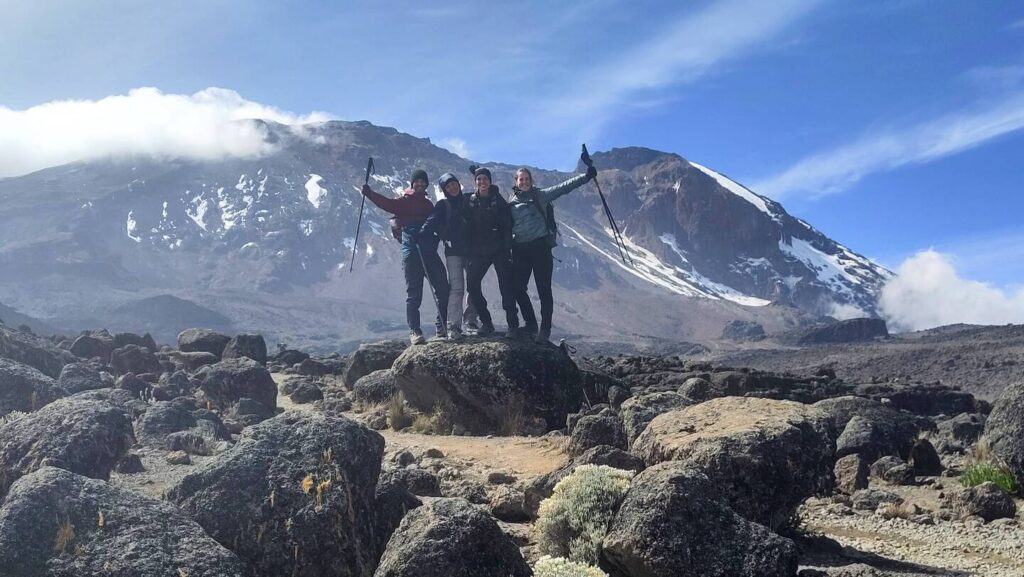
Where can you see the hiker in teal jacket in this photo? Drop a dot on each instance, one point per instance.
(533, 236)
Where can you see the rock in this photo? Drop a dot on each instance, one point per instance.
(900, 475)
(245, 413)
(491, 384)
(986, 500)
(251, 346)
(313, 368)
(871, 429)
(392, 501)
(450, 538)
(101, 529)
(592, 431)
(375, 388)
(872, 499)
(194, 361)
(617, 395)
(159, 422)
(134, 359)
(370, 357)
(698, 390)
(33, 351)
(134, 385)
(500, 478)
(1004, 429)
(509, 504)
(433, 453)
(337, 404)
(24, 388)
(306, 393)
(123, 339)
(178, 458)
(92, 347)
(78, 377)
(289, 357)
(417, 481)
(851, 474)
(187, 442)
(130, 464)
(959, 433)
(226, 382)
(82, 436)
(542, 487)
(202, 340)
(673, 523)
(738, 330)
(924, 459)
(765, 456)
(848, 331)
(294, 496)
(121, 399)
(639, 411)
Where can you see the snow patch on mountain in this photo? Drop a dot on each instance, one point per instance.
(315, 193)
(737, 189)
(132, 227)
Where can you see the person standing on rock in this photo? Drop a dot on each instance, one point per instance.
(489, 235)
(448, 222)
(533, 235)
(419, 259)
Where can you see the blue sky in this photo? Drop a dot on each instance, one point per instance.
(891, 125)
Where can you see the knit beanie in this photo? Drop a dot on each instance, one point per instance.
(419, 174)
(484, 172)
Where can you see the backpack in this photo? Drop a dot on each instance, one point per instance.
(396, 229)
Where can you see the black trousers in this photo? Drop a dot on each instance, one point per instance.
(534, 258)
(477, 268)
(417, 264)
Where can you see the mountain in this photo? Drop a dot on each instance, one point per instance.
(264, 243)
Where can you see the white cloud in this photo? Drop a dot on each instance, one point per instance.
(928, 292)
(685, 51)
(455, 145)
(836, 170)
(846, 311)
(146, 122)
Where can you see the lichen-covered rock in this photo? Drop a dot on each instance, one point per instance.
(202, 340)
(375, 388)
(594, 430)
(55, 523)
(370, 357)
(78, 377)
(767, 456)
(306, 393)
(673, 523)
(134, 359)
(637, 412)
(251, 346)
(490, 382)
(450, 538)
(294, 496)
(83, 436)
(924, 458)
(38, 353)
(24, 388)
(1004, 429)
(987, 501)
(871, 429)
(852, 474)
(226, 382)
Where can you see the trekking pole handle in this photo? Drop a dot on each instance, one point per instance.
(585, 157)
(369, 170)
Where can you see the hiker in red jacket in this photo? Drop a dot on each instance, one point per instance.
(419, 256)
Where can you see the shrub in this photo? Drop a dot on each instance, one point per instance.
(558, 567)
(985, 466)
(573, 522)
(399, 416)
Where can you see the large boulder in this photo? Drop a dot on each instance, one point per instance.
(251, 346)
(23, 388)
(986, 500)
(56, 523)
(134, 359)
(490, 383)
(1004, 429)
(450, 538)
(87, 437)
(766, 456)
(673, 523)
(157, 426)
(202, 341)
(78, 377)
(848, 331)
(375, 388)
(638, 412)
(289, 357)
(91, 346)
(33, 351)
(738, 330)
(294, 496)
(371, 357)
(192, 361)
(871, 429)
(597, 430)
(146, 340)
(228, 381)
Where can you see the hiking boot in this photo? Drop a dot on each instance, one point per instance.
(543, 336)
(486, 329)
(442, 333)
(417, 338)
(455, 334)
(472, 328)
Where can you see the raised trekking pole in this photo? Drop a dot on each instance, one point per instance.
(619, 241)
(359, 223)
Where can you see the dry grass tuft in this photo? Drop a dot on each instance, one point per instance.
(399, 415)
(65, 535)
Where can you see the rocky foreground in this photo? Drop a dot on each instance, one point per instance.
(487, 457)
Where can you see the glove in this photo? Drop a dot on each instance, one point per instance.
(367, 190)
(591, 173)
(472, 168)
(585, 157)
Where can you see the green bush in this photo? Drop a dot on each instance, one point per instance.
(997, 473)
(558, 567)
(573, 522)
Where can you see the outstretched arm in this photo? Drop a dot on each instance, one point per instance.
(388, 204)
(553, 192)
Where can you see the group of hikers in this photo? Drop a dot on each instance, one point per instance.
(480, 230)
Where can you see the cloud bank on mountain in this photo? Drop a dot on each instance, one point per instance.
(928, 292)
(207, 125)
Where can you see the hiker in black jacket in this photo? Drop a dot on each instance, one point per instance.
(489, 236)
(448, 223)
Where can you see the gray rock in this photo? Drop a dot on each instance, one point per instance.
(958, 434)
(698, 390)
(24, 388)
(1004, 429)
(593, 431)
(130, 464)
(617, 395)
(375, 388)
(134, 359)
(226, 382)
(78, 377)
(925, 459)
(370, 357)
(450, 538)
(101, 529)
(202, 340)
(851, 474)
(673, 523)
(294, 496)
(33, 351)
(417, 481)
(313, 368)
(871, 429)
(871, 499)
(739, 330)
(159, 422)
(637, 412)
(194, 361)
(848, 331)
(306, 393)
(93, 347)
(122, 339)
(122, 399)
(250, 346)
(987, 501)
(178, 458)
(82, 436)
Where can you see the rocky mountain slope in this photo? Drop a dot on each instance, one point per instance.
(264, 243)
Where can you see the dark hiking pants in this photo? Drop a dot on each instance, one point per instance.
(418, 264)
(477, 268)
(534, 258)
